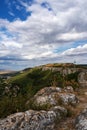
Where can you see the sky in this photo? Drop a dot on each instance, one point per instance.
(35, 32)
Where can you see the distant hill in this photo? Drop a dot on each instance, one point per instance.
(6, 71)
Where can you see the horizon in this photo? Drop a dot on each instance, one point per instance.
(36, 32)
(39, 66)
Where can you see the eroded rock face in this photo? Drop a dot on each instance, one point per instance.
(33, 120)
(68, 98)
(81, 121)
(82, 78)
(53, 96)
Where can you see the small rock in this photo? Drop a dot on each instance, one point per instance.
(69, 89)
(81, 121)
(60, 111)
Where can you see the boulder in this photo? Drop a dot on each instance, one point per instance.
(53, 95)
(81, 121)
(34, 120)
(47, 96)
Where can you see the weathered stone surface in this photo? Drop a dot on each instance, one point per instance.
(53, 95)
(33, 120)
(60, 111)
(48, 90)
(82, 78)
(47, 96)
(81, 121)
(68, 98)
(69, 89)
(63, 70)
(41, 120)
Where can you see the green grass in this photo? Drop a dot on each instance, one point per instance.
(36, 79)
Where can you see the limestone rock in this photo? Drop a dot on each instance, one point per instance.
(48, 90)
(47, 96)
(82, 78)
(33, 120)
(52, 96)
(68, 98)
(60, 111)
(81, 121)
(69, 89)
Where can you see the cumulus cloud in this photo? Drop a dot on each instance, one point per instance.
(51, 25)
(76, 51)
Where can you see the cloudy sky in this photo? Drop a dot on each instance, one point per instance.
(35, 32)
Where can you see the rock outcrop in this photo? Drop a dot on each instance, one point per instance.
(54, 96)
(62, 70)
(34, 120)
(65, 70)
(42, 119)
(82, 78)
(81, 121)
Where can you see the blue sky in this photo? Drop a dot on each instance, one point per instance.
(35, 32)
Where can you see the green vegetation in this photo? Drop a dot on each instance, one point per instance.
(16, 91)
(72, 76)
(36, 79)
(9, 105)
(2, 86)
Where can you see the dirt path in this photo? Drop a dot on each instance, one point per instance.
(68, 124)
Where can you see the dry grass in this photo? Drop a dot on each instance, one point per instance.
(68, 123)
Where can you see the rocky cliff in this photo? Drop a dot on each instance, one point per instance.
(82, 77)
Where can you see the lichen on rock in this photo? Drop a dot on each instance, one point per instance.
(33, 120)
(68, 98)
(81, 121)
(53, 96)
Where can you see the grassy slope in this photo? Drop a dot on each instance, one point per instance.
(24, 86)
(29, 82)
(34, 79)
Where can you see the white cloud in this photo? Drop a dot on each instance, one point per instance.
(11, 13)
(71, 36)
(46, 30)
(76, 51)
